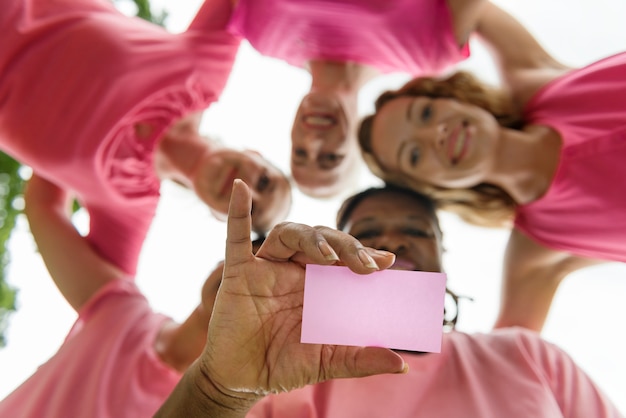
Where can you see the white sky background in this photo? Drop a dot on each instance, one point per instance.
(256, 111)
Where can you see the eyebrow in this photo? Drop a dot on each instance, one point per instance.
(365, 220)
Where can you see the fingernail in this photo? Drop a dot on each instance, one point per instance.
(405, 368)
(327, 251)
(384, 253)
(367, 260)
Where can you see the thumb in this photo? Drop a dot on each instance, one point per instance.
(238, 244)
(368, 361)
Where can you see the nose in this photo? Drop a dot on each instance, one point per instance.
(313, 141)
(438, 134)
(312, 145)
(392, 242)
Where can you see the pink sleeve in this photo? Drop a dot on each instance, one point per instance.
(117, 234)
(212, 15)
(575, 392)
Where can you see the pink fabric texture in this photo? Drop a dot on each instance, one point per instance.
(414, 37)
(509, 373)
(584, 210)
(107, 366)
(76, 76)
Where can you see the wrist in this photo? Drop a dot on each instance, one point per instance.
(196, 395)
(230, 403)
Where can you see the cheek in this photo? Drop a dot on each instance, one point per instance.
(431, 171)
(433, 259)
(383, 152)
(297, 135)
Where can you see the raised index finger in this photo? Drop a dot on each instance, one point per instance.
(238, 244)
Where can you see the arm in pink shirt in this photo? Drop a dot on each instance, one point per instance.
(75, 267)
(212, 15)
(574, 391)
(523, 63)
(79, 271)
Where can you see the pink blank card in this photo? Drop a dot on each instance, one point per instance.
(391, 308)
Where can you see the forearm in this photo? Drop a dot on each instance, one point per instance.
(514, 49)
(73, 265)
(196, 396)
(179, 345)
(532, 274)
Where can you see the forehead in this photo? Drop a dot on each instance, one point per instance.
(390, 208)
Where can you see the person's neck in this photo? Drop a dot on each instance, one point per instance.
(526, 162)
(346, 77)
(178, 155)
(342, 81)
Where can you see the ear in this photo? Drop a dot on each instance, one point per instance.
(222, 217)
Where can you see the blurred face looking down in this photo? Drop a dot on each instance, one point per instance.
(323, 150)
(271, 191)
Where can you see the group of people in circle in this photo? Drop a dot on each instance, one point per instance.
(104, 107)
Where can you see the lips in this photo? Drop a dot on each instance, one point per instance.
(319, 120)
(228, 182)
(458, 143)
(404, 264)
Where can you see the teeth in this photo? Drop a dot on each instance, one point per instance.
(319, 120)
(458, 147)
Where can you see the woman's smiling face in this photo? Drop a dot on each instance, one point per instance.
(441, 142)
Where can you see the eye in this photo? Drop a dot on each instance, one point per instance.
(263, 183)
(414, 232)
(300, 153)
(367, 234)
(427, 112)
(414, 156)
(330, 160)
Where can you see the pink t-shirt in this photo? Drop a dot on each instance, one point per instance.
(508, 373)
(107, 366)
(584, 210)
(414, 37)
(75, 78)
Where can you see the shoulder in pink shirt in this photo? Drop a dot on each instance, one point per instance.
(76, 76)
(508, 373)
(107, 366)
(583, 210)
